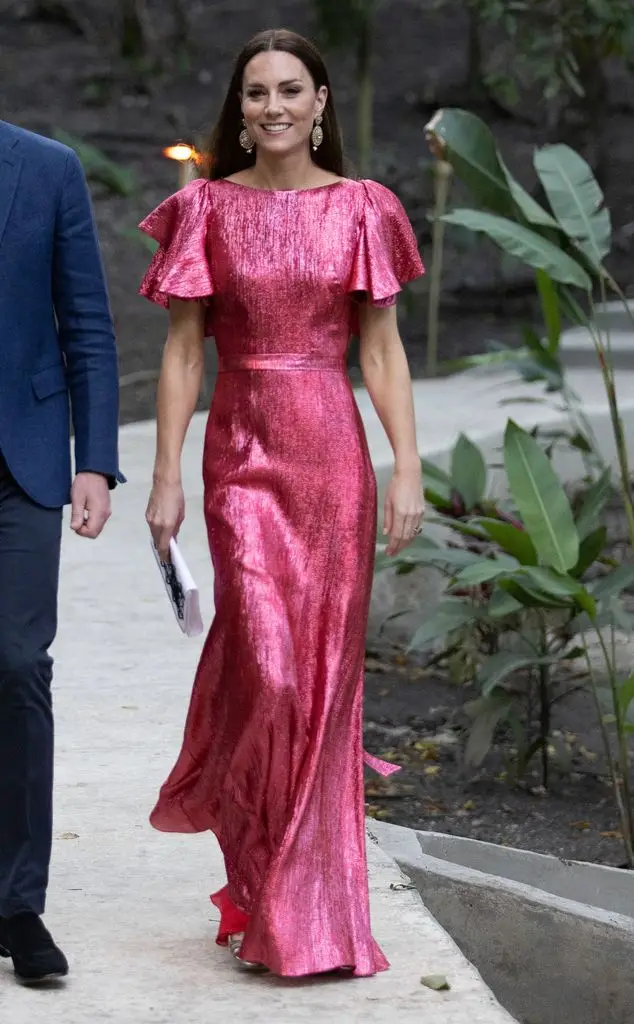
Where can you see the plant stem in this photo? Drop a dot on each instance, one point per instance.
(442, 180)
(618, 796)
(621, 735)
(365, 100)
(544, 721)
(607, 374)
(544, 706)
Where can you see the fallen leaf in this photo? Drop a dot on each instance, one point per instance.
(418, 673)
(374, 665)
(69, 835)
(469, 805)
(611, 835)
(428, 751)
(388, 755)
(387, 790)
(436, 982)
(581, 826)
(432, 769)
(401, 659)
(433, 810)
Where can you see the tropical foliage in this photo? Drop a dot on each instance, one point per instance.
(530, 581)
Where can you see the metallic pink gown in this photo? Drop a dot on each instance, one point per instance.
(272, 758)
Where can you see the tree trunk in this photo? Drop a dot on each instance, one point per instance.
(134, 30)
(180, 24)
(365, 105)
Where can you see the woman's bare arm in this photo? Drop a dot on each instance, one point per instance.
(178, 392)
(179, 386)
(387, 378)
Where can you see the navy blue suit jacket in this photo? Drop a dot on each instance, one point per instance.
(57, 346)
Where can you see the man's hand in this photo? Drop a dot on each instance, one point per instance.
(90, 499)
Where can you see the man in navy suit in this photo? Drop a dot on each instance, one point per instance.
(57, 358)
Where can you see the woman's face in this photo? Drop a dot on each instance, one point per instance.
(280, 102)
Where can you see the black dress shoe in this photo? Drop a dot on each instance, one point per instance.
(35, 956)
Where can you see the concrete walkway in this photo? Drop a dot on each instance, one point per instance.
(130, 905)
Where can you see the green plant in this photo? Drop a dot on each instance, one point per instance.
(560, 47)
(349, 25)
(99, 168)
(528, 584)
(482, 620)
(568, 242)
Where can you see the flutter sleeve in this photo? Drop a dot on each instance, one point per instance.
(386, 256)
(180, 267)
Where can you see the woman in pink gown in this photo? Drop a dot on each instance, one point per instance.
(281, 258)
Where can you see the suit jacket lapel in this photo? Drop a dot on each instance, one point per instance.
(10, 167)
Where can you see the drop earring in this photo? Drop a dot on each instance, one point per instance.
(317, 134)
(245, 138)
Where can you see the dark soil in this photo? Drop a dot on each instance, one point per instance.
(415, 718)
(54, 79)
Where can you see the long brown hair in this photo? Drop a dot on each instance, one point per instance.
(223, 155)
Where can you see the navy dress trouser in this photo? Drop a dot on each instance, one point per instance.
(30, 538)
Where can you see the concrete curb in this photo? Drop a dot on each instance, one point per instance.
(548, 959)
(594, 885)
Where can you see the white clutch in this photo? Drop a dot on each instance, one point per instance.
(181, 590)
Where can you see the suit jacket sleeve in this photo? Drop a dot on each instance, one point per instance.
(85, 328)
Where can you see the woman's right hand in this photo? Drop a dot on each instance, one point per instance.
(165, 514)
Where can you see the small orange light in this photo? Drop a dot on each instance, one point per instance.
(182, 152)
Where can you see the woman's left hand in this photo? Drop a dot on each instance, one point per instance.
(404, 509)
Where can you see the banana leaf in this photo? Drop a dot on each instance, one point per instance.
(498, 358)
(589, 550)
(551, 309)
(558, 586)
(513, 541)
(528, 207)
(594, 502)
(540, 499)
(499, 666)
(487, 569)
(502, 604)
(437, 484)
(530, 596)
(576, 199)
(458, 526)
(450, 615)
(614, 583)
(523, 243)
(468, 472)
(626, 694)
(488, 713)
(472, 152)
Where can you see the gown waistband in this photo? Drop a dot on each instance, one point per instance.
(280, 361)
